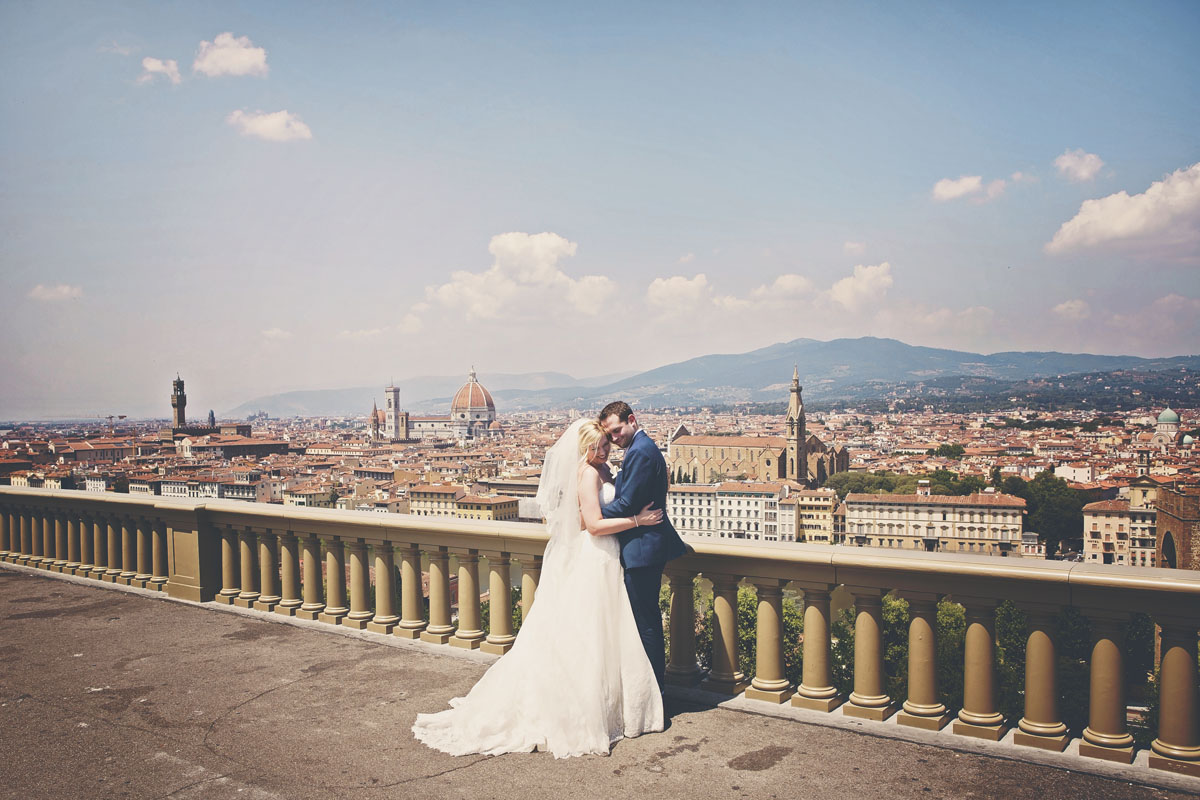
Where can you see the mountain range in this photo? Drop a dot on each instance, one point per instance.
(829, 370)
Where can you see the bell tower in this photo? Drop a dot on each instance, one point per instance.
(178, 403)
(797, 433)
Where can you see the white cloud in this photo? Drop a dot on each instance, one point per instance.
(784, 287)
(525, 275)
(1023, 177)
(686, 258)
(1169, 325)
(276, 334)
(155, 66)
(678, 294)
(227, 55)
(1078, 166)
(948, 189)
(995, 188)
(1162, 221)
(854, 248)
(56, 293)
(275, 126)
(1073, 310)
(868, 283)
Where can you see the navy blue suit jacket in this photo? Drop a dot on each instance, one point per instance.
(642, 480)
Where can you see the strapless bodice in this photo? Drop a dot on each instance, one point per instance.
(608, 493)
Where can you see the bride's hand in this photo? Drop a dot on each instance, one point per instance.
(648, 516)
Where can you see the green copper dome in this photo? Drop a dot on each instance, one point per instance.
(1168, 416)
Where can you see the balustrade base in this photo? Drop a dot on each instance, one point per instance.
(332, 617)
(1054, 743)
(1121, 755)
(245, 602)
(924, 723)
(141, 583)
(825, 704)
(56, 567)
(108, 577)
(286, 611)
(495, 649)
(718, 686)
(357, 623)
(777, 696)
(407, 633)
(878, 714)
(466, 644)
(225, 599)
(435, 638)
(1176, 765)
(381, 627)
(125, 580)
(685, 677)
(991, 733)
(157, 584)
(82, 571)
(265, 604)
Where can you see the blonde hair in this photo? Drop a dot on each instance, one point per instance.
(589, 434)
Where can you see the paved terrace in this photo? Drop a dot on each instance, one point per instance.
(110, 691)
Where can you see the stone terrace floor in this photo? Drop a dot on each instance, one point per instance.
(115, 693)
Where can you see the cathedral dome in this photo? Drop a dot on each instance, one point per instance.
(472, 397)
(1168, 417)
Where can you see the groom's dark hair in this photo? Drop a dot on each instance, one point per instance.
(618, 407)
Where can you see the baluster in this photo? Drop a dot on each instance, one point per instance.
(922, 708)
(725, 677)
(1042, 725)
(1177, 747)
(769, 681)
(268, 573)
(439, 628)
(48, 540)
(360, 581)
(500, 634)
(1106, 735)
(412, 611)
(128, 552)
(87, 547)
(5, 537)
(385, 618)
(60, 541)
(113, 526)
(160, 573)
(335, 581)
(249, 579)
(72, 523)
(816, 690)
(869, 700)
(531, 573)
(314, 596)
(683, 669)
(35, 537)
(978, 716)
(289, 573)
(469, 633)
(99, 547)
(145, 556)
(26, 529)
(230, 568)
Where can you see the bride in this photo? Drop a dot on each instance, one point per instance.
(577, 678)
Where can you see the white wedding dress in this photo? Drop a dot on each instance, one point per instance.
(576, 680)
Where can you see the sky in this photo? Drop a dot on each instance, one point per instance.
(264, 197)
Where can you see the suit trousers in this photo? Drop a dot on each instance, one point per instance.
(643, 585)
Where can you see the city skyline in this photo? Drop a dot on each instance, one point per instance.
(276, 197)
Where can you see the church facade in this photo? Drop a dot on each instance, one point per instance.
(796, 456)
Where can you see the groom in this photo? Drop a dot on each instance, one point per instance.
(644, 550)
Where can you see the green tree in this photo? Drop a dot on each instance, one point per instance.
(1056, 510)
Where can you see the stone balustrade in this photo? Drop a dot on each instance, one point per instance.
(270, 558)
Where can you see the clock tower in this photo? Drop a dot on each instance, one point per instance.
(178, 403)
